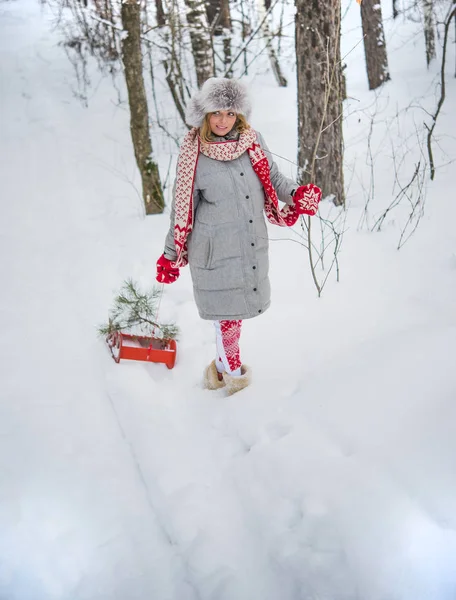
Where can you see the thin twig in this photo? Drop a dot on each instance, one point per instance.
(442, 93)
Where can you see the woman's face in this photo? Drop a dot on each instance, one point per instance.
(222, 122)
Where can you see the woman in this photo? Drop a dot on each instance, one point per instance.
(226, 183)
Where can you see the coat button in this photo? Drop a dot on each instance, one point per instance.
(259, 310)
(252, 244)
(253, 267)
(247, 197)
(242, 174)
(250, 221)
(254, 289)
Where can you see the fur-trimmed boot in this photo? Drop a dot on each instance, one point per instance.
(213, 380)
(236, 384)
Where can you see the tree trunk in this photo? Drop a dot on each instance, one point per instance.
(139, 117)
(429, 30)
(201, 40)
(227, 52)
(173, 74)
(225, 15)
(212, 12)
(280, 78)
(218, 15)
(374, 43)
(219, 19)
(395, 9)
(245, 32)
(320, 144)
(160, 12)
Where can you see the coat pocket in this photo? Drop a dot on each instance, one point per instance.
(226, 245)
(200, 250)
(210, 254)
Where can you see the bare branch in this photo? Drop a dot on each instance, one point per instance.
(451, 15)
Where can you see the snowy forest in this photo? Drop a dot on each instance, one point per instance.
(333, 475)
(158, 54)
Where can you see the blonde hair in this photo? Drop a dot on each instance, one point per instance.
(205, 131)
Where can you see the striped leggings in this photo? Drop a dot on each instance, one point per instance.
(227, 334)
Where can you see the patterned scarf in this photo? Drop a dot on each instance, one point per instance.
(229, 150)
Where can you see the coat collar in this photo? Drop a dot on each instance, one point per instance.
(231, 135)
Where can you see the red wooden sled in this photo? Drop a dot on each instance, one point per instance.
(137, 347)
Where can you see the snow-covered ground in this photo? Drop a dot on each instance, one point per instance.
(333, 477)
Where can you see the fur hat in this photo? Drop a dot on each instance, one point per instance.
(218, 93)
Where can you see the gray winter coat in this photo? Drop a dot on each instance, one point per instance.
(228, 247)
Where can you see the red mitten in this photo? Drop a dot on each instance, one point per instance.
(165, 272)
(306, 199)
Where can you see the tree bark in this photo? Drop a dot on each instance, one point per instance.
(219, 19)
(139, 116)
(429, 30)
(279, 76)
(173, 74)
(245, 32)
(395, 9)
(374, 43)
(201, 40)
(160, 12)
(218, 15)
(227, 54)
(320, 142)
(225, 15)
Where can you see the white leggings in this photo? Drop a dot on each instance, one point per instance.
(227, 334)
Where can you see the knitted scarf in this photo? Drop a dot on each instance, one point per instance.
(229, 150)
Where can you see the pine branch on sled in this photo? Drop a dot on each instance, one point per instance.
(135, 312)
(133, 330)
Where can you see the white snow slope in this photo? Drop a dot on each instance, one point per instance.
(333, 477)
